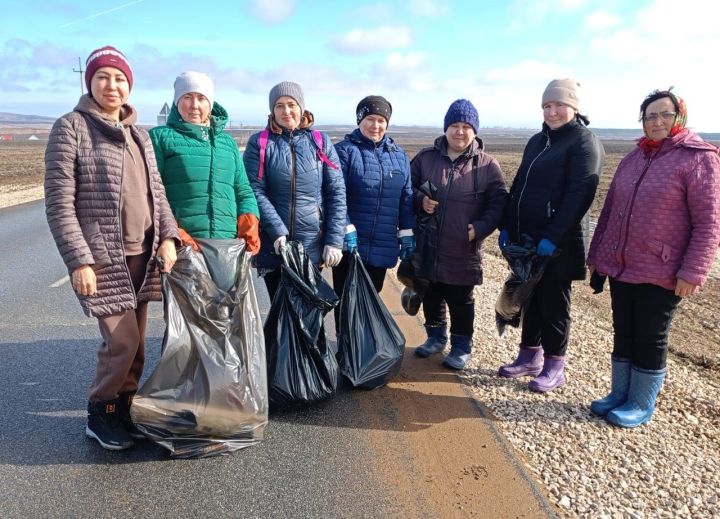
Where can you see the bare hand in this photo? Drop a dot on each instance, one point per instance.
(429, 206)
(471, 232)
(168, 254)
(685, 289)
(84, 281)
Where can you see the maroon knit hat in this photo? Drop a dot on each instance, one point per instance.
(107, 57)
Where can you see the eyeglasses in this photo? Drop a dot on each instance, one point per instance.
(653, 118)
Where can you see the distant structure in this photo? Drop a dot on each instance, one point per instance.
(6, 137)
(33, 138)
(162, 117)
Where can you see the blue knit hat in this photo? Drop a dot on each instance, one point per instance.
(462, 111)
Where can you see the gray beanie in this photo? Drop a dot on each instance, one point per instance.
(192, 81)
(565, 91)
(290, 89)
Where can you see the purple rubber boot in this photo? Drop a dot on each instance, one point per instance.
(529, 362)
(551, 377)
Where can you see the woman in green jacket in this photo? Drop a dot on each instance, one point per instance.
(201, 167)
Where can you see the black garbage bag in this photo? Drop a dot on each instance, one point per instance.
(415, 287)
(426, 237)
(526, 270)
(301, 367)
(371, 343)
(208, 394)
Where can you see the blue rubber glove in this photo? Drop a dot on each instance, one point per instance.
(407, 247)
(504, 238)
(350, 242)
(545, 248)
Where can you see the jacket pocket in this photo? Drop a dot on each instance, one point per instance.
(662, 250)
(96, 243)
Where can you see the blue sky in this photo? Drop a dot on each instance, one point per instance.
(420, 54)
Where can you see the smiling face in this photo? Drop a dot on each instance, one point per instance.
(373, 127)
(194, 108)
(110, 89)
(659, 119)
(459, 136)
(557, 115)
(287, 112)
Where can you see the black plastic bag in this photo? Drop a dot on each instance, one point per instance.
(526, 271)
(301, 367)
(415, 287)
(208, 394)
(371, 343)
(426, 237)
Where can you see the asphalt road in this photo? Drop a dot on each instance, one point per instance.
(350, 457)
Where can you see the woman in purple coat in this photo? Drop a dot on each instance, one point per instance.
(471, 194)
(656, 239)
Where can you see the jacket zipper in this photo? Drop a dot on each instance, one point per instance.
(628, 212)
(451, 176)
(527, 176)
(212, 183)
(122, 181)
(377, 207)
(292, 188)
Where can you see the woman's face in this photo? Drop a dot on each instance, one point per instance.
(374, 127)
(287, 113)
(194, 108)
(557, 115)
(110, 89)
(459, 136)
(659, 118)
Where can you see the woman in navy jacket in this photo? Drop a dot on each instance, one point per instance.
(379, 194)
(549, 198)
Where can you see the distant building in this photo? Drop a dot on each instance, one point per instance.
(33, 138)
(162, 117)
(6, 137)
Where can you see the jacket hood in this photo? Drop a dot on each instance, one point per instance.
(476, 147)
(306, 122)
(356, 137)
(689, 139)
(218, 120)
(128, 117)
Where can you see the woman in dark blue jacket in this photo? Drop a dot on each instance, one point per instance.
(550, 196)
(379, 194)
(295, 174)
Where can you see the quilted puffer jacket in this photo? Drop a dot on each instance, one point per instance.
(661, 218)
(203, 174)
(83, 179)
(299, 196)
(379, 195)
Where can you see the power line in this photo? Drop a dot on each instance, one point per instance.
(80, 71)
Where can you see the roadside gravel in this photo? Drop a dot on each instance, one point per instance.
(588, 468)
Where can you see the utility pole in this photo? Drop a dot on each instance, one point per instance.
(80, 71)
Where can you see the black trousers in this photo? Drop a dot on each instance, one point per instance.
(642, 314)
(272, 282)
(340, 274)
(546, 319)
(459, 299)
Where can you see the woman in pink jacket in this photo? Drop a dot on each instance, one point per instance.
(656, 239)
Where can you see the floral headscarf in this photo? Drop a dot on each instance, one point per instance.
(648, 145)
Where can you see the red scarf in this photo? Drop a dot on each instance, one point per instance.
(649, 146)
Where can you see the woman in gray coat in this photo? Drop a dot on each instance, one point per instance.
(108, 214)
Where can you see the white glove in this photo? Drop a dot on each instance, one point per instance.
(332, 256)
(279, 244)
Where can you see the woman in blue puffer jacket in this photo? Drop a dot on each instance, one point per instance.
(379, 195)
(295, 174)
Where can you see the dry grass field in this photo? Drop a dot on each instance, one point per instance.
(696, 331)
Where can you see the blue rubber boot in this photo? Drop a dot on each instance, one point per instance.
(618, 389)
(529, 362)
(435, 343)
(645, 385)
(460, 347)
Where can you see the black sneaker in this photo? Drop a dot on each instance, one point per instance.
(104, 425)
(124, 403)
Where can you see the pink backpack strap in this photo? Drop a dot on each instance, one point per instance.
(262, 142)
(317, 137)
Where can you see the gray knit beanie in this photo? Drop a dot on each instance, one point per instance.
(192, 81)
(565, 91)
(290, 89)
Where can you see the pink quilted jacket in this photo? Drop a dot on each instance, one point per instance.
(661, 218)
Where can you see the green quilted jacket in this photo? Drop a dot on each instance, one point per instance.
(203, 174)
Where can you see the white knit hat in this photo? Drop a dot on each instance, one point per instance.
(565, 91)
(192, 81)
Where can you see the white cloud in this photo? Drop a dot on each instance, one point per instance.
(601, 20)
(524, 71)
(365, 41)
(430, 8)
(272, 11)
